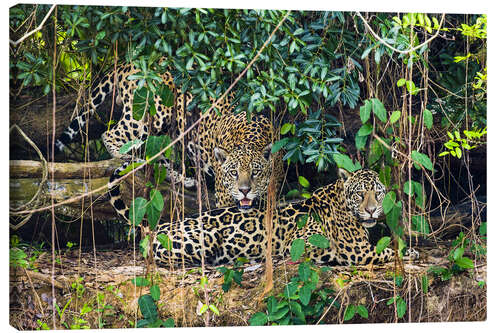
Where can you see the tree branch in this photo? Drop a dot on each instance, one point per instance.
(411, 49)
(20, 40)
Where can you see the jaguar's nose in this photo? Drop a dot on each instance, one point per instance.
(244, 190)
(370, 210)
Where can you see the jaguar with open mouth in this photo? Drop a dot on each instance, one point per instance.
(247, 172)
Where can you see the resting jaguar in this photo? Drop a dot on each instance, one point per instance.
(234, 150)
(344, 210)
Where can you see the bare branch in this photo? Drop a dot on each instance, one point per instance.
(20, 40)
(411, 49)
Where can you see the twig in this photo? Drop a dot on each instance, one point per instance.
(43, 277)
(20, 40)
(330, 306)
(36, 197)
(411, 49)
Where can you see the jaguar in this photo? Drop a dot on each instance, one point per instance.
(235, 150)
(341, 212)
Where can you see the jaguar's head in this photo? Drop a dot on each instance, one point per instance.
(364, 195)
(244, 175)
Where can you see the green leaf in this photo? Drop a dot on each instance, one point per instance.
(285, 128)
(304, 182)
(349, 312)
(385, 176)
(154, 144)
(365, 130)
(156, 199)
(203, 309)
(165, 241)
(425, 284)
(416, 188)
(169, 323)
(214, 309)
(130, 167)
(143, 101)
(305, 293)
(464, 262)
(301, 220)
(428, 119)
(127, 147)
(379, 110)
(395, 117)
(422, 159)
(344, 162)
(137, 210)
(458, 253)
(258, 319)
(297, 249)
(365, 110)
(155, 292)
(290, 289)
(166, 95)
(401, 82)
(160, 173)
(144, 246)
(420, 224)
(412, 89)
(400, 307)
(482, 229)
(278, 145)
(366, 52)
(382, 244)
(319, 240)
(304, 271)
(360, 141)
(272, 304)
(362, 311)
(297, 310)
(389, 202)
(148, 307)
(153, 216)
(392, 219)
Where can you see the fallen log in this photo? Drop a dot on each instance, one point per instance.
(34, 169)
(72, 180)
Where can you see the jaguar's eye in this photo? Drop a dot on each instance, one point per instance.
(256, 172)
(234, 173)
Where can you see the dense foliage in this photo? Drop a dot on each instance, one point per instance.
(316, 62)
(412, 83)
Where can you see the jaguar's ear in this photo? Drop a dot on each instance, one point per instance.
(220, 155)
(267, 151)
(343, 174)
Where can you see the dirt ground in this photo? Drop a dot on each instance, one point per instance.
(95, 290)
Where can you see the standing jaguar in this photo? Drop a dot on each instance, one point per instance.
(236, 151)
(341, 212)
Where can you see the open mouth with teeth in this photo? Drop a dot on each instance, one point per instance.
(245, 203)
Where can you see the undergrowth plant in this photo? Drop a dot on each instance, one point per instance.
(303, 300)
